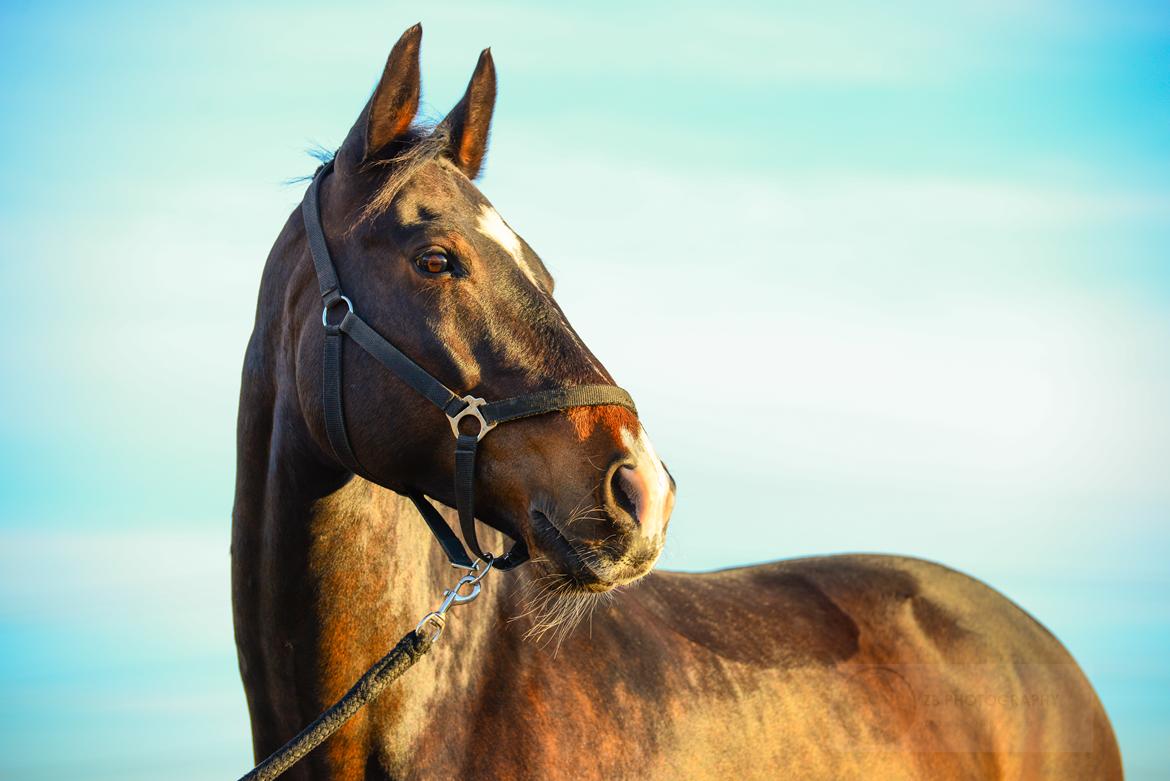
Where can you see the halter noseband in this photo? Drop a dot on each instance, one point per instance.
(456, 408)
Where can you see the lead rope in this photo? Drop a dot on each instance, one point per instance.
(413, 645)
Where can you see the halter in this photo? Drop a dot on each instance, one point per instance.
(487, 414)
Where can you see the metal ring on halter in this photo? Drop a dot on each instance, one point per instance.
(325, 311)
(482, 567)
(472, 409)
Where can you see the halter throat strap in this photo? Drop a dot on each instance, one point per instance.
(487, 414)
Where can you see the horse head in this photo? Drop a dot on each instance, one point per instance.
(437, 271)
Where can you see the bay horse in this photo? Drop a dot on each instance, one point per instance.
(838, 667)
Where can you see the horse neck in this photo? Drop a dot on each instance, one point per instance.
(328, 573)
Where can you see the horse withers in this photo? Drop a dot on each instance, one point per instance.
(824, 668)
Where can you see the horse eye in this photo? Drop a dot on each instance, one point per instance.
(433, 262)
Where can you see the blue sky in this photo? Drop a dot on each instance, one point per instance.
(934, 240)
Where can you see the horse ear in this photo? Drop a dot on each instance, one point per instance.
(470, 121)
(394, 103)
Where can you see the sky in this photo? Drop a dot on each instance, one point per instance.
(899, 280)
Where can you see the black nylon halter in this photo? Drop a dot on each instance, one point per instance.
(488, 414)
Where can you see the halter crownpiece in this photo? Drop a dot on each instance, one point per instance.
(488, 414)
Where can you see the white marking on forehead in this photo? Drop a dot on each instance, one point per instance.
(492, 225)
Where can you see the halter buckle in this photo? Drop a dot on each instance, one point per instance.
(473, 406)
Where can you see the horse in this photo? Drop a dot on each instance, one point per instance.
(835, 667)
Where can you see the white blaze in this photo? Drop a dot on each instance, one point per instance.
(492, 225)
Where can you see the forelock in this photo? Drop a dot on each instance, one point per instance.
(425, 145)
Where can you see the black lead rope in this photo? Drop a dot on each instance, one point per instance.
(381, 674)
(456, 408)
(384, 672)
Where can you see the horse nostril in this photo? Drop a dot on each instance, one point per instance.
(623, 491)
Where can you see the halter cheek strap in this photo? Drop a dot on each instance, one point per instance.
(487, 414)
